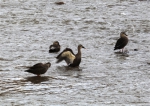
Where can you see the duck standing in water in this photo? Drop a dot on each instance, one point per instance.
(122, 41)
(71, 59)
(55, 47)
(39, 68)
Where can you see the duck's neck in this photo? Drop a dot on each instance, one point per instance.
(79, 51)
(47, 65)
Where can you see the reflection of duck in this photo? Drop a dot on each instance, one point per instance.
(55, 47)
(39, 68)
(69, 71)
(66, 68)
(71, 59)
(121, 42)
(37, 79)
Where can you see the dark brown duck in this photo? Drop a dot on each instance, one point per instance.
(39, 68)
(55, 47)
(59, 3)
(121, 42)
(71, 59)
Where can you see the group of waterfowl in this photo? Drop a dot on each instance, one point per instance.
(72, 60)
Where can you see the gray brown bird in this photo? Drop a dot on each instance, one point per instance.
(39, 68)
(55, 47)
(122, 41)
(71, 59)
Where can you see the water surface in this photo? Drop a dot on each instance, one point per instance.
(28, 27)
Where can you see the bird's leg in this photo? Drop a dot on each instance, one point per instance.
(38, 75)
(122, 50)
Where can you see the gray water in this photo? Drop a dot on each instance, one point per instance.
(28, 27)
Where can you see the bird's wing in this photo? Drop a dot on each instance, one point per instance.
(52, 47)
(66, 55)
(120, 43)
(67, 49)
(36, 66)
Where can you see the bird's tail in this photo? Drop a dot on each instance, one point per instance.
(26, 71)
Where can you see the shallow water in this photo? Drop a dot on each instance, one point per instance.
(28, 27)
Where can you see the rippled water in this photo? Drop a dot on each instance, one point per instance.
(28, 27)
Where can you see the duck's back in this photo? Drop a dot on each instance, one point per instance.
(54, 48)
(121, 43)
(37, 69)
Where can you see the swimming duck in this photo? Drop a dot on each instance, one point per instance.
(71, 59)
(122, 41)
(55, 47)
(39, 68)
(59, 3)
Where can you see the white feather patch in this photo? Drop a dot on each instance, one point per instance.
(52, 47)
(69, 57)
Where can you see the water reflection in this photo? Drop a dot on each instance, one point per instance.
(69, 71)
(123, 54)
(37, 79)
(66, 68)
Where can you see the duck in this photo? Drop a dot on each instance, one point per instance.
(55, 47)
(39, 68)
(122, 41)
(72, 60)
(59, 3)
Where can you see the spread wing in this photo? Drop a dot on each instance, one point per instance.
(66, 55)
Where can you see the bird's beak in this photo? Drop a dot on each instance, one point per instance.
(125, 33)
